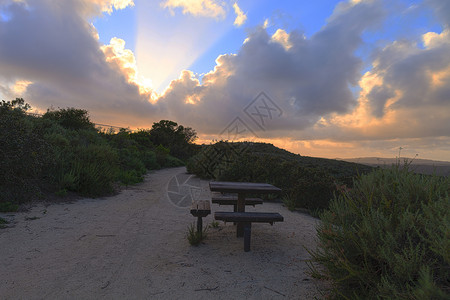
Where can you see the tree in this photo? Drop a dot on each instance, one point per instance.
(70, 118)
(179, 139)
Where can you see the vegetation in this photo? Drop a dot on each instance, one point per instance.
(3, 223)
(306, 182)
(196, 237)
(62, 152)
(388, 237)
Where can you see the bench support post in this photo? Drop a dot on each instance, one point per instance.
(247, 235)
(240, 208)
(199, 224)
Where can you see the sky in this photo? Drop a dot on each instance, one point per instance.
(335, 79)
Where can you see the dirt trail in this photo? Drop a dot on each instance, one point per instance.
(133, 246)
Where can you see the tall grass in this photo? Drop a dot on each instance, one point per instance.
(388, 237)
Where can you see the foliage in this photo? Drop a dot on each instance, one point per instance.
(70, 118)
(308, 182)
(177, 138)
(3, 223)
(195, 237)
(289, 202)
(63, 152)
(23, 154)
(388, 237)
(7, 206)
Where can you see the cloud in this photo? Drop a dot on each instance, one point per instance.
(240, 15)
(307, 78)
(203, 8)
(442, 10)
(55, 48)
(124, 61)
(50, 55)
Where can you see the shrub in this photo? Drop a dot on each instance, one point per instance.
(177, 138)
(388, 237)
(70, 118)
(149, 160)
(8, 206)
(161, 154)
(129, 177)
(172, 162)
(23, 153)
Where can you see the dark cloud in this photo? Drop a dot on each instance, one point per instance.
(52, 44)
(441, 9)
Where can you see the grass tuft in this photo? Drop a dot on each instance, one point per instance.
(194, 237)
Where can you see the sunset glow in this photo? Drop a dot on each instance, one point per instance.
(336, 79)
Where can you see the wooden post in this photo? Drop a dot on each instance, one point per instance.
(247, 236)
(240, 208)
(199, 225)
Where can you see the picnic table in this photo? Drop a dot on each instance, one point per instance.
(242, 189)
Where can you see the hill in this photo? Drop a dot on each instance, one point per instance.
(307, 182)
(422, 166)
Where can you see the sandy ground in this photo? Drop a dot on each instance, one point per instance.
(133, 246)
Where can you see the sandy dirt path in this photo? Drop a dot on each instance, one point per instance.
(133, 246)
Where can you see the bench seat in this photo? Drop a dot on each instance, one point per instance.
(200, 209)
(247, 218)
(258, 217)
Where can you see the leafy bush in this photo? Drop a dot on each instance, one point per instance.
(177, 138)
(23, 153)
(63, 151)
(309, 182)
(388, 237)
(94, 169)
(7, 206)
(70, 118)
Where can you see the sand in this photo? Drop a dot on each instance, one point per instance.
(133, 246)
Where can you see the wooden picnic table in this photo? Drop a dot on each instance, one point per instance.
(242, 189)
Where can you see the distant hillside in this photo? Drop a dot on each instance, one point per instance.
(423, 166)
(307, 182)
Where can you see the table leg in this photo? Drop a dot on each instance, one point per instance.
(240, 208)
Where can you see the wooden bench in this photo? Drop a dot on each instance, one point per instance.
(247, 218)
(200, 209)
(232, 200)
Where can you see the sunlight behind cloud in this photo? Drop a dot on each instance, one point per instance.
(166, 45)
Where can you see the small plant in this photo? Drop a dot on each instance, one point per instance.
(61, 193)
(195, 237)
(215, 224)
(8, 207)
(3, 223)
(289, 201)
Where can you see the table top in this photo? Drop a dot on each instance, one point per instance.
(243, 187)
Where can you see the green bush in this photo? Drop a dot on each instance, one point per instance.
(388, 237)
(94, 169)
(7, 206)
(23, 153)
(70, 118)
(149, 160)
(172, 162)
(129, 177)
(309, 182)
